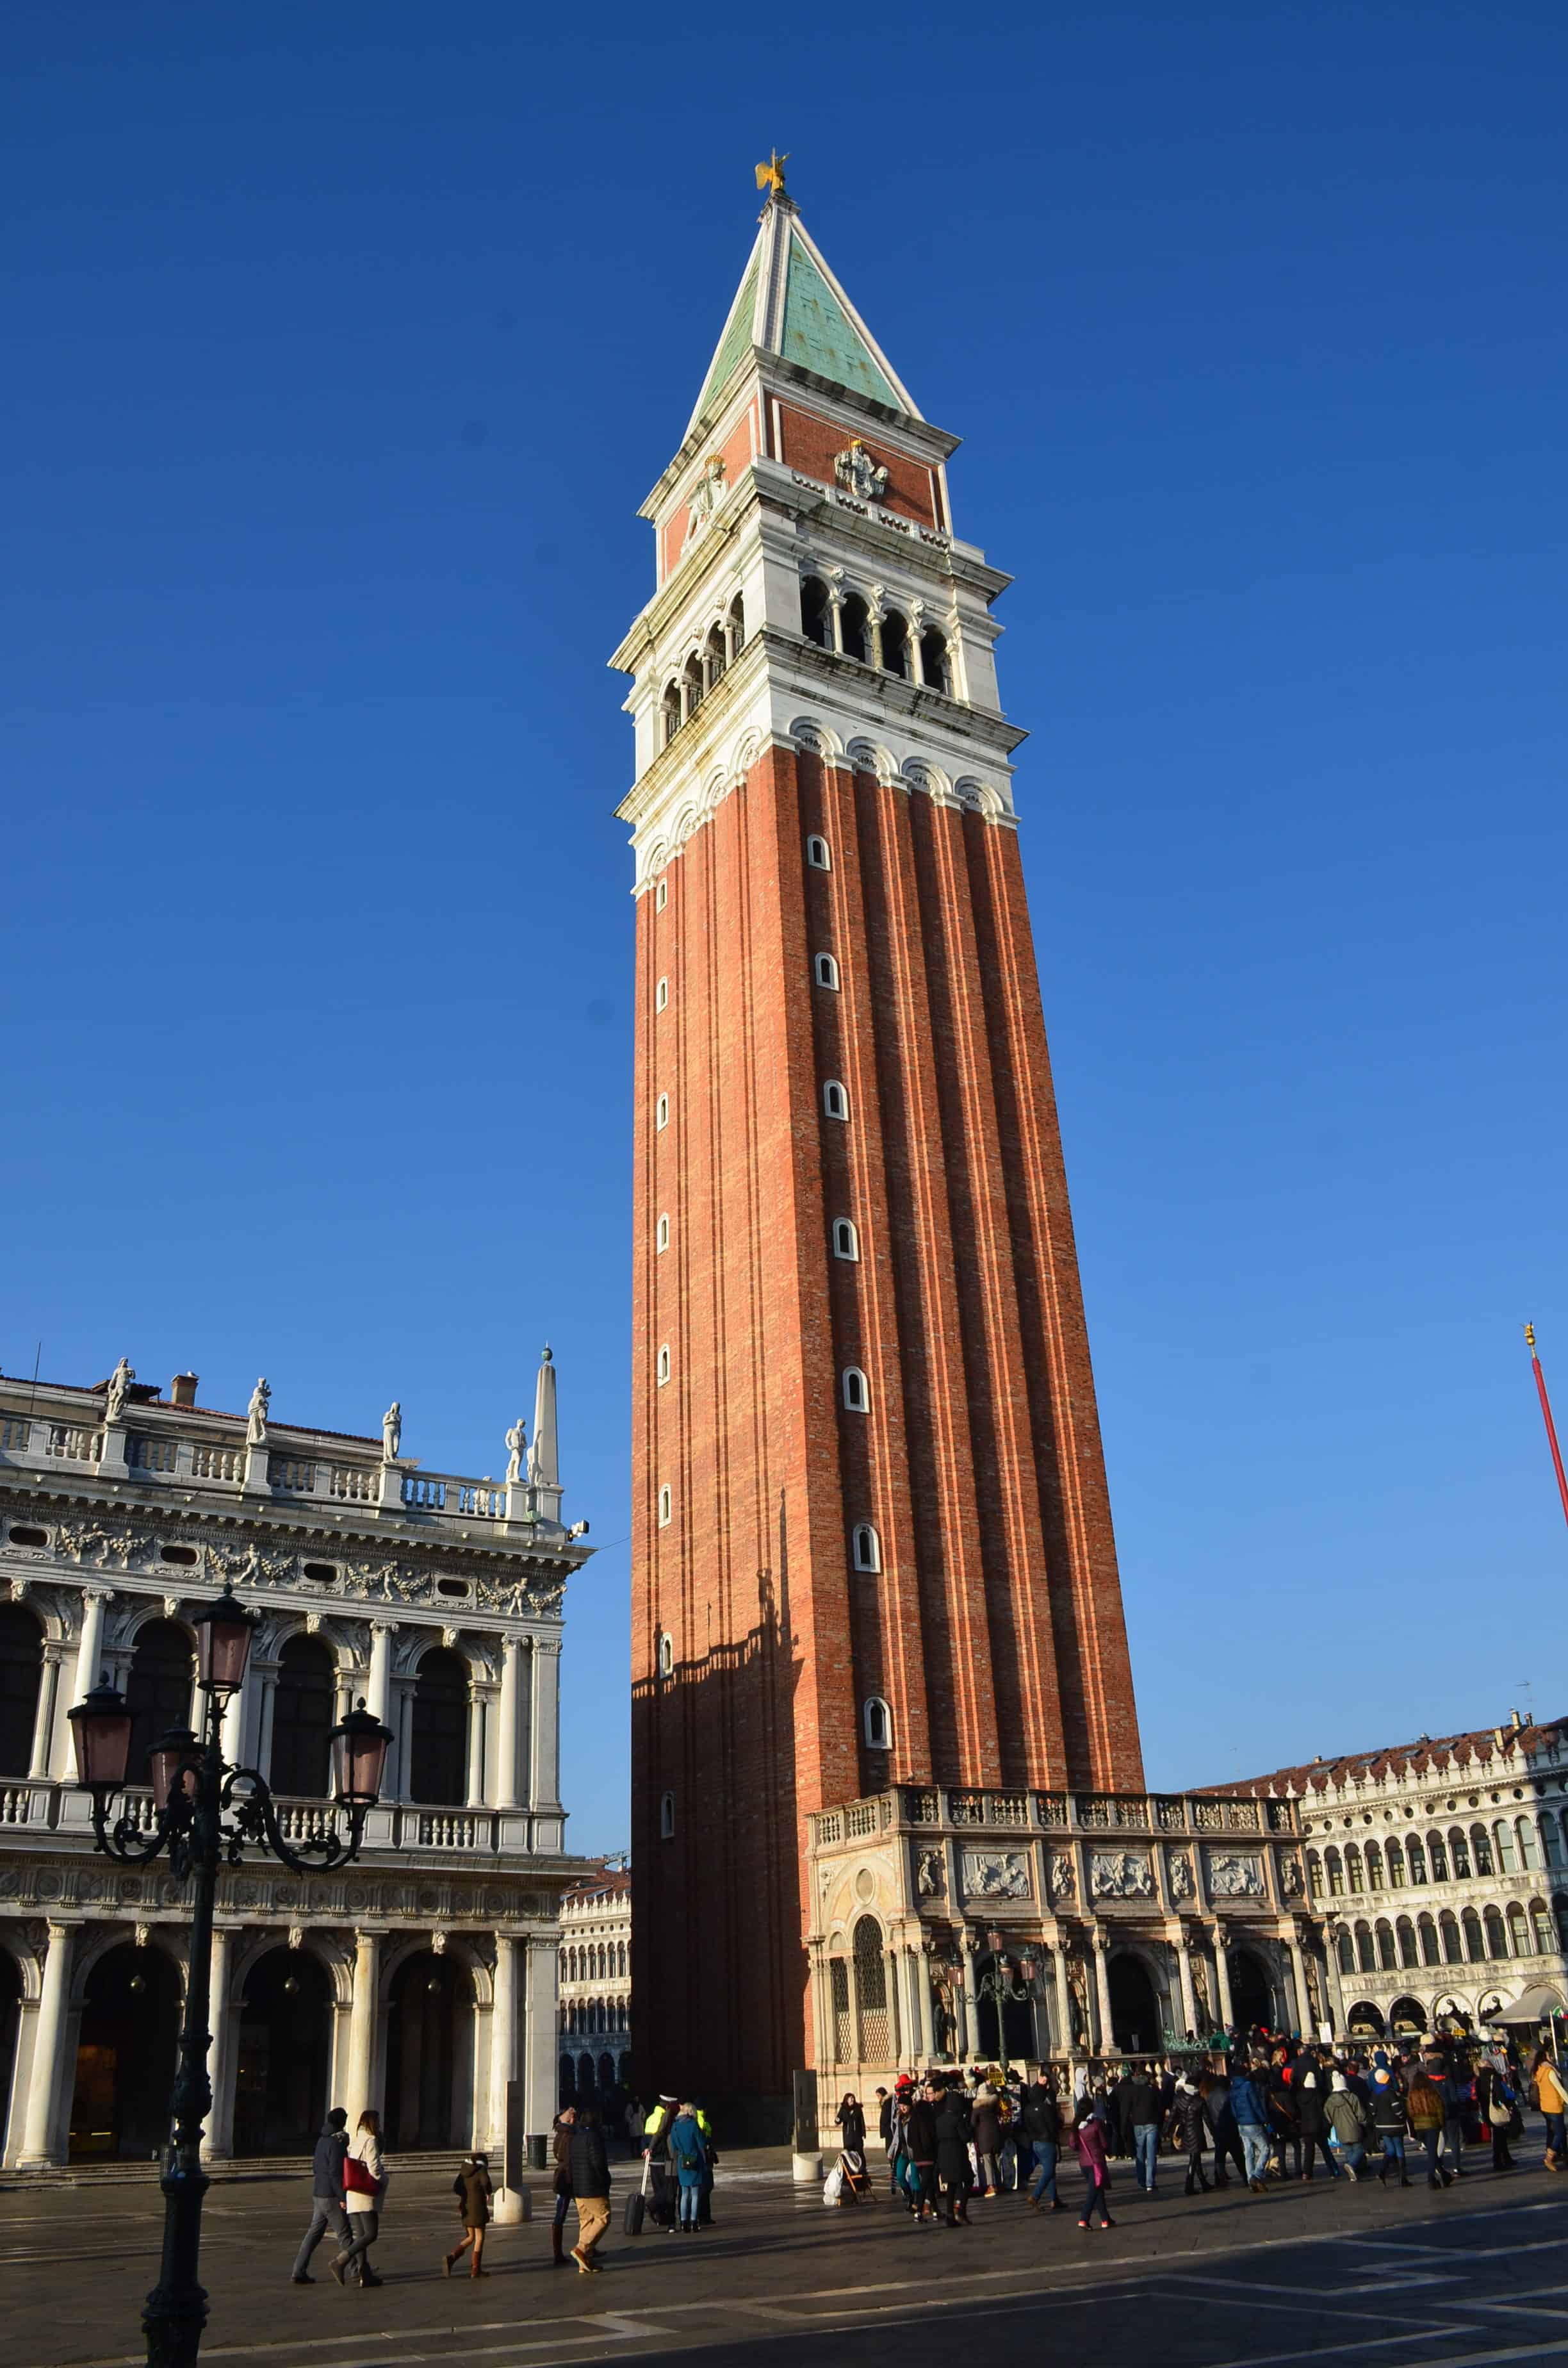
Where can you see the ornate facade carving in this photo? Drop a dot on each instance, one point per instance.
(1235, 1874)
(996, 1874)
(1121, 1874)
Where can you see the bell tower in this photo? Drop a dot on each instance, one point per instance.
(872, 1538)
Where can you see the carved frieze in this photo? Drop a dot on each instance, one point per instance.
(1234, 1874)
(1060, 1879)
(1121, 1874)
(996, 1874)
(931, 1874)
(1182, 1883)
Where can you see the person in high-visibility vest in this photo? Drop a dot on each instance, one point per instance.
(656, 2152)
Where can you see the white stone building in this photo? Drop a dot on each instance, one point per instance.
(422, 1977)
(596, 1983)
(1440, 1869)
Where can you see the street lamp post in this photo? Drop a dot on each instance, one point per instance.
(998, 1983)
(205, 1812)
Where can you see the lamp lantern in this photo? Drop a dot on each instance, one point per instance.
(359, 1747)
(100, 1730)
(178, 1747)
(223, 1633)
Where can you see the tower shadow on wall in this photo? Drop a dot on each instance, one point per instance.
(720, 1971)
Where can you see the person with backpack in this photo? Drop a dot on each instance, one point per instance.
(689, 2158)
(1308, 2088)
(1389, 2118)
(1247, 2104)
(1347, 2118)
(472, 2189)
(1041, 2120)
(1424, 2103)
(588, 2167)
(1089, 2145)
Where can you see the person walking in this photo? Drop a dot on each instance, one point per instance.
(923, 2153)
(987, 2126)
(1389, 2118)
(1424, 2104)
(326, 2193)
(1552, 2102)
(1347, 2118)
(656, 2150)
(589, 2170)
(1497, 2104)
(1188, 2128)
(1308, 2088)
(953, 2124)
(472, 2189)
(1252, 2123)
(1141, 2116)
(1089, 2145)
(688, 2157)
(1220, 2113)
(1041, 2119)
(851, 2120)
(364, 2182)
(560, 2181)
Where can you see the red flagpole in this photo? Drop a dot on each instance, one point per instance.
(1546, 1416)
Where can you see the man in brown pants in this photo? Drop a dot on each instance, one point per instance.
(590, 2187)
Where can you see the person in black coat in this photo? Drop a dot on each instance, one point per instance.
(1188, 2127)
(588, 2170)
(851, 2122)
(954, 2132)
(923, 2142)
(1310, 2088)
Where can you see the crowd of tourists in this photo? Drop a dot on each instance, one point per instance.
(1267, 2114)
(1267, 2111)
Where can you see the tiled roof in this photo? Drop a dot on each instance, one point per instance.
(1426, 1755)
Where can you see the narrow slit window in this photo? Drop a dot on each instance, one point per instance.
(664, 1364)
(662, 1234)
(817, 855)
(666, 1655)
(661, 894)
(666, 1817)
(662, 1111)
(878, 1725)
(834, 1101)
(845, 1241)
(661, 995)
(826, 971)
(666, 1509)
(866, 1551)
(856, 1392)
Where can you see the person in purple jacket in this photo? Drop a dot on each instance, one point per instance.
(1089, 2145)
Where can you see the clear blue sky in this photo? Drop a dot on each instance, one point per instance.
(341, 345)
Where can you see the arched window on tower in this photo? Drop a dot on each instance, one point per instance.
(934, 668)
(662, 1234)
(895, 644)
(866, 1550)
(669, 712)
(878, 1725)
(715, 658)
(817, 855)
(855, 628)
(666, 1655)
(845, 1241)
(857, 1391)
(834, 1101)
(735, 628)
(691, 685)
(664, 1364)
(824, 969)
(666, 1817)
(816, 619)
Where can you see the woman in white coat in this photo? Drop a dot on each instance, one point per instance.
(365, 2177)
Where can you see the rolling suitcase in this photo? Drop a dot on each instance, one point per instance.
(636, 2206)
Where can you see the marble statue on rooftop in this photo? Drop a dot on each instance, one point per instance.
(120, 1382)
(256, 1413)
(516, 1440)
(392, 1431)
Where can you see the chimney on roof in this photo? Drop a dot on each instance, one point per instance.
(183, 1389)
(1515, 1720)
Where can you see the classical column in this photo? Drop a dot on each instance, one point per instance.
(475, 1745)
(970, 1998)
(1223, 1977)
(49, 2052)
(1335, 1986)
(503, 2040)
(1303, 2002)
(43, 1720)
(507, 1728)
(1064, 1999)
(875, 617)
(236, 1718)
(267, 1673)
(923, 2005)
(1102, 1990)
(544, 1787)
(541, 2009)
(916, 627)
(361, 2083)
(94, 1601)
(1188, 1996)
(379, 1692)
(219, 2140)
(836, 605)
(896, 2018)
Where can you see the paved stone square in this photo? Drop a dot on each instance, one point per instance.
(1476, 2275)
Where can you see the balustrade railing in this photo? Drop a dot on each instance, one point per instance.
(144, 1454)
(208, 1462)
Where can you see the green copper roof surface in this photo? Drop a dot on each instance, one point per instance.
(736, 343)
(818, 334)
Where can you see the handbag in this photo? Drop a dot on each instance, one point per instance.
(358, 2177)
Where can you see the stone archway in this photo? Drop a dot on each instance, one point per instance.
(283, 2053)
(126, 2055)
(1136, 2025)
(429, 2053)
(1252, 1990)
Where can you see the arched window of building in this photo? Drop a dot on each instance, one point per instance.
(715, 658)
(871, 1992)
(620, 1961)
(1336, 1873)
(1459, 1853)
(1396, 1865)
(824, 969)
(1496, 1936)
(1347, 1951)
(857, 1391)
(21, 1672)
(666, 1506)
(661, 894)
(662, 1234)
(158, 1691)
(1453, 1947)
(866, 1547)
(1314, 1873)
(1528, 1846)
(816, 619)
(304, 1706)
(1503, 1837)
(935, 671)
(1404, 1932)
(895, 644)
(1374, 1867)
(1481, 1849)
(1437, 1857)
(855, 630)
(1519, 1929)
(1385, 1945)
(1430, 1953)
(662, 1111)
(1551, 1842)
(1353, 1867)
(1541, 1925)
(669, 711)
(834, 1101)
(735, 627)
(1417, 1859)
(1366, 1951)
(666, 1817)
(845, 1241)
(662, 995)
(437, 1761)
(666, 1655)
(691, 686)
(878, 1725)
(817, 854)
(664, 1364)
(1474, 1937)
